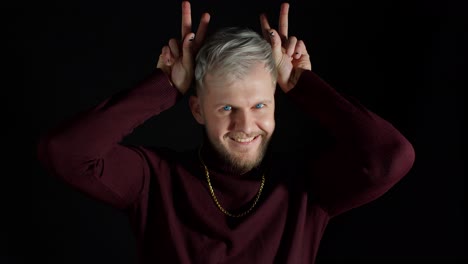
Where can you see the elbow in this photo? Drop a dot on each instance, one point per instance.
(403, 158)
(48, 154)
(53, 156)
(391, 163)
(408, 154)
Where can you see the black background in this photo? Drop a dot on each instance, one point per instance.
(404, 60)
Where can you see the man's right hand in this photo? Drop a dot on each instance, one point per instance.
(176, 59)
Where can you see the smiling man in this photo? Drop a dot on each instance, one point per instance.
(236, 96)
(232, 199)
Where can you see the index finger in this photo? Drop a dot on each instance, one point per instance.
(201, 31)
(283, 20)
(265, 26)
(186, 19)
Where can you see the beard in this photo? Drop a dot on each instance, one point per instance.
(237, 162)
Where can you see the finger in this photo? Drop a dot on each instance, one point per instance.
(201, 31)
(162, 65)
(161, 59)
(283, 21)
(275, 41)
(265, 26)
(300, 49)
(187, 57)
(291, 46)
(166, 56)
(186, 18)
(302, 57)
(174, 46)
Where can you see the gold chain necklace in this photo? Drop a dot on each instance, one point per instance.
(216, 199)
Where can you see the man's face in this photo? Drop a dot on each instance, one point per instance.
(238, 116)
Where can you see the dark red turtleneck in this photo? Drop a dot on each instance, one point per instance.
(166, 196)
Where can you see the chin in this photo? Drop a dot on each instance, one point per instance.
(245, 160)
(241, 157)
(243, 165)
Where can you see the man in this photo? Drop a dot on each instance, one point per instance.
(232, 200)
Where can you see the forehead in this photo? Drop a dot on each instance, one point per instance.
(257, 84)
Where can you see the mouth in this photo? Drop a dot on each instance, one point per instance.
(245, 141)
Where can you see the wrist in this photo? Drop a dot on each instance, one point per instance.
(293, 79)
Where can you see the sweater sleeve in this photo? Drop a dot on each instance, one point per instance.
(85, 151)
(368, 155)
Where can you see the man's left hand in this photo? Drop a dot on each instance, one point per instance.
(290, 53)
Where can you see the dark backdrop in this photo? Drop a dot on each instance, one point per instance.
(405, 60)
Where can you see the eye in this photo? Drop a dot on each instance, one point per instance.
(260, 105)
(227, 108)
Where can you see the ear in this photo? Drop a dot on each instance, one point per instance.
(195, 107)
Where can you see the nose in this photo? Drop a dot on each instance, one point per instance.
(243, 121)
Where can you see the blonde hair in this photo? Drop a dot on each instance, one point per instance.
(230, 53)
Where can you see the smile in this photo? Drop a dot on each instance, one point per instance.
(245, 140)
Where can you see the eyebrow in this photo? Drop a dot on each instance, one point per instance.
(259, 102)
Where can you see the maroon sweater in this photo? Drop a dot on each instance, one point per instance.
(166, 196)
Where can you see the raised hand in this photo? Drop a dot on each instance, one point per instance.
(290, 53)
(176, 59)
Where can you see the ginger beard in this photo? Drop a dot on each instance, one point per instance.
(240, 159)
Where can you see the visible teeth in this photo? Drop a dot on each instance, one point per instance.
(243, 140)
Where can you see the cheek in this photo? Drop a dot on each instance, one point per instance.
(217, 126)
(267, 122)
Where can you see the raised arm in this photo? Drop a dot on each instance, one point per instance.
(368, 155)
(86, 151)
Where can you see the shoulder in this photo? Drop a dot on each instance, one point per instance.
(164, 153)
(159, 156)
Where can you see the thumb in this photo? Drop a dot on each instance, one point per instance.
(187, 58)
(275, 41)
